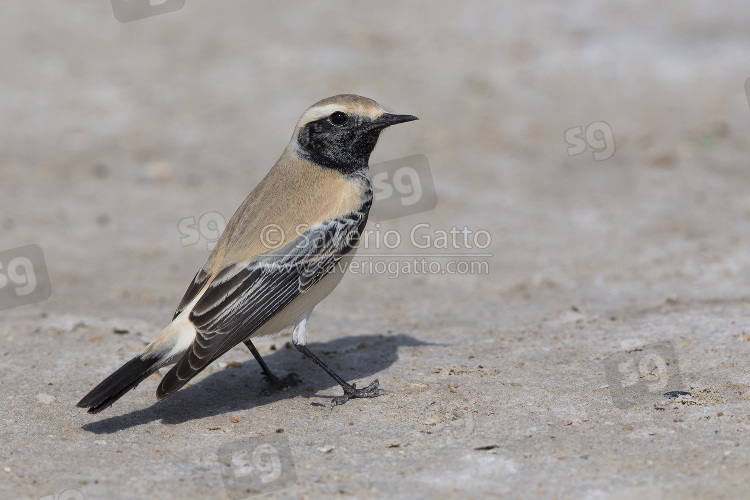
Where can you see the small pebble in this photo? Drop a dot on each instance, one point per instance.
(235, 420)
(279, 431)
(45, 398)
(310, 388)
(486, 447)
(325, 449)
(567, 422)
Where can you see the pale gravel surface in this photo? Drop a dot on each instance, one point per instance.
(112, 133)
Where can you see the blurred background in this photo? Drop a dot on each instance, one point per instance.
(114, 132)
(603, 146)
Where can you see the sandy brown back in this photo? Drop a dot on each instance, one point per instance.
(293, 196)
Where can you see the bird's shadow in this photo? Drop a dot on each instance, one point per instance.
(232, 390)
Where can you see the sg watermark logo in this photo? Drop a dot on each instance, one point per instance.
(65, 495)
(598, 136)
(256, 465)
(23, 277)
(208, 226)
(133, 10)
(643, 375)
(401, 187)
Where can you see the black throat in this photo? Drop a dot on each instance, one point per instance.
(346, 149)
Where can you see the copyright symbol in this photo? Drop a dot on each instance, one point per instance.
(272, 236)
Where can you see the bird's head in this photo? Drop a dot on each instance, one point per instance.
(340, 132)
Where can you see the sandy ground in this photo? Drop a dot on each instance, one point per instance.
(600, 353)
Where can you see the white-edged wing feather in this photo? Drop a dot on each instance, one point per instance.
(244, 296)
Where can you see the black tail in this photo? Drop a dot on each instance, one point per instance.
(116, 385)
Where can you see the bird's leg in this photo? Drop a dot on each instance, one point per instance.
(350, 390)
(299, 339)
(290, 380)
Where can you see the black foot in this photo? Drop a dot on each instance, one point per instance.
(351, 392)
(279, 384)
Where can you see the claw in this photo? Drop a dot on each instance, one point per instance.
(351, 392)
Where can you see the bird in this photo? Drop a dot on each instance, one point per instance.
(283, 251)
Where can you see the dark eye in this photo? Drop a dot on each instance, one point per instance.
(337, 118)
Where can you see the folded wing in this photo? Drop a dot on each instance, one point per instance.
(244, 296)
